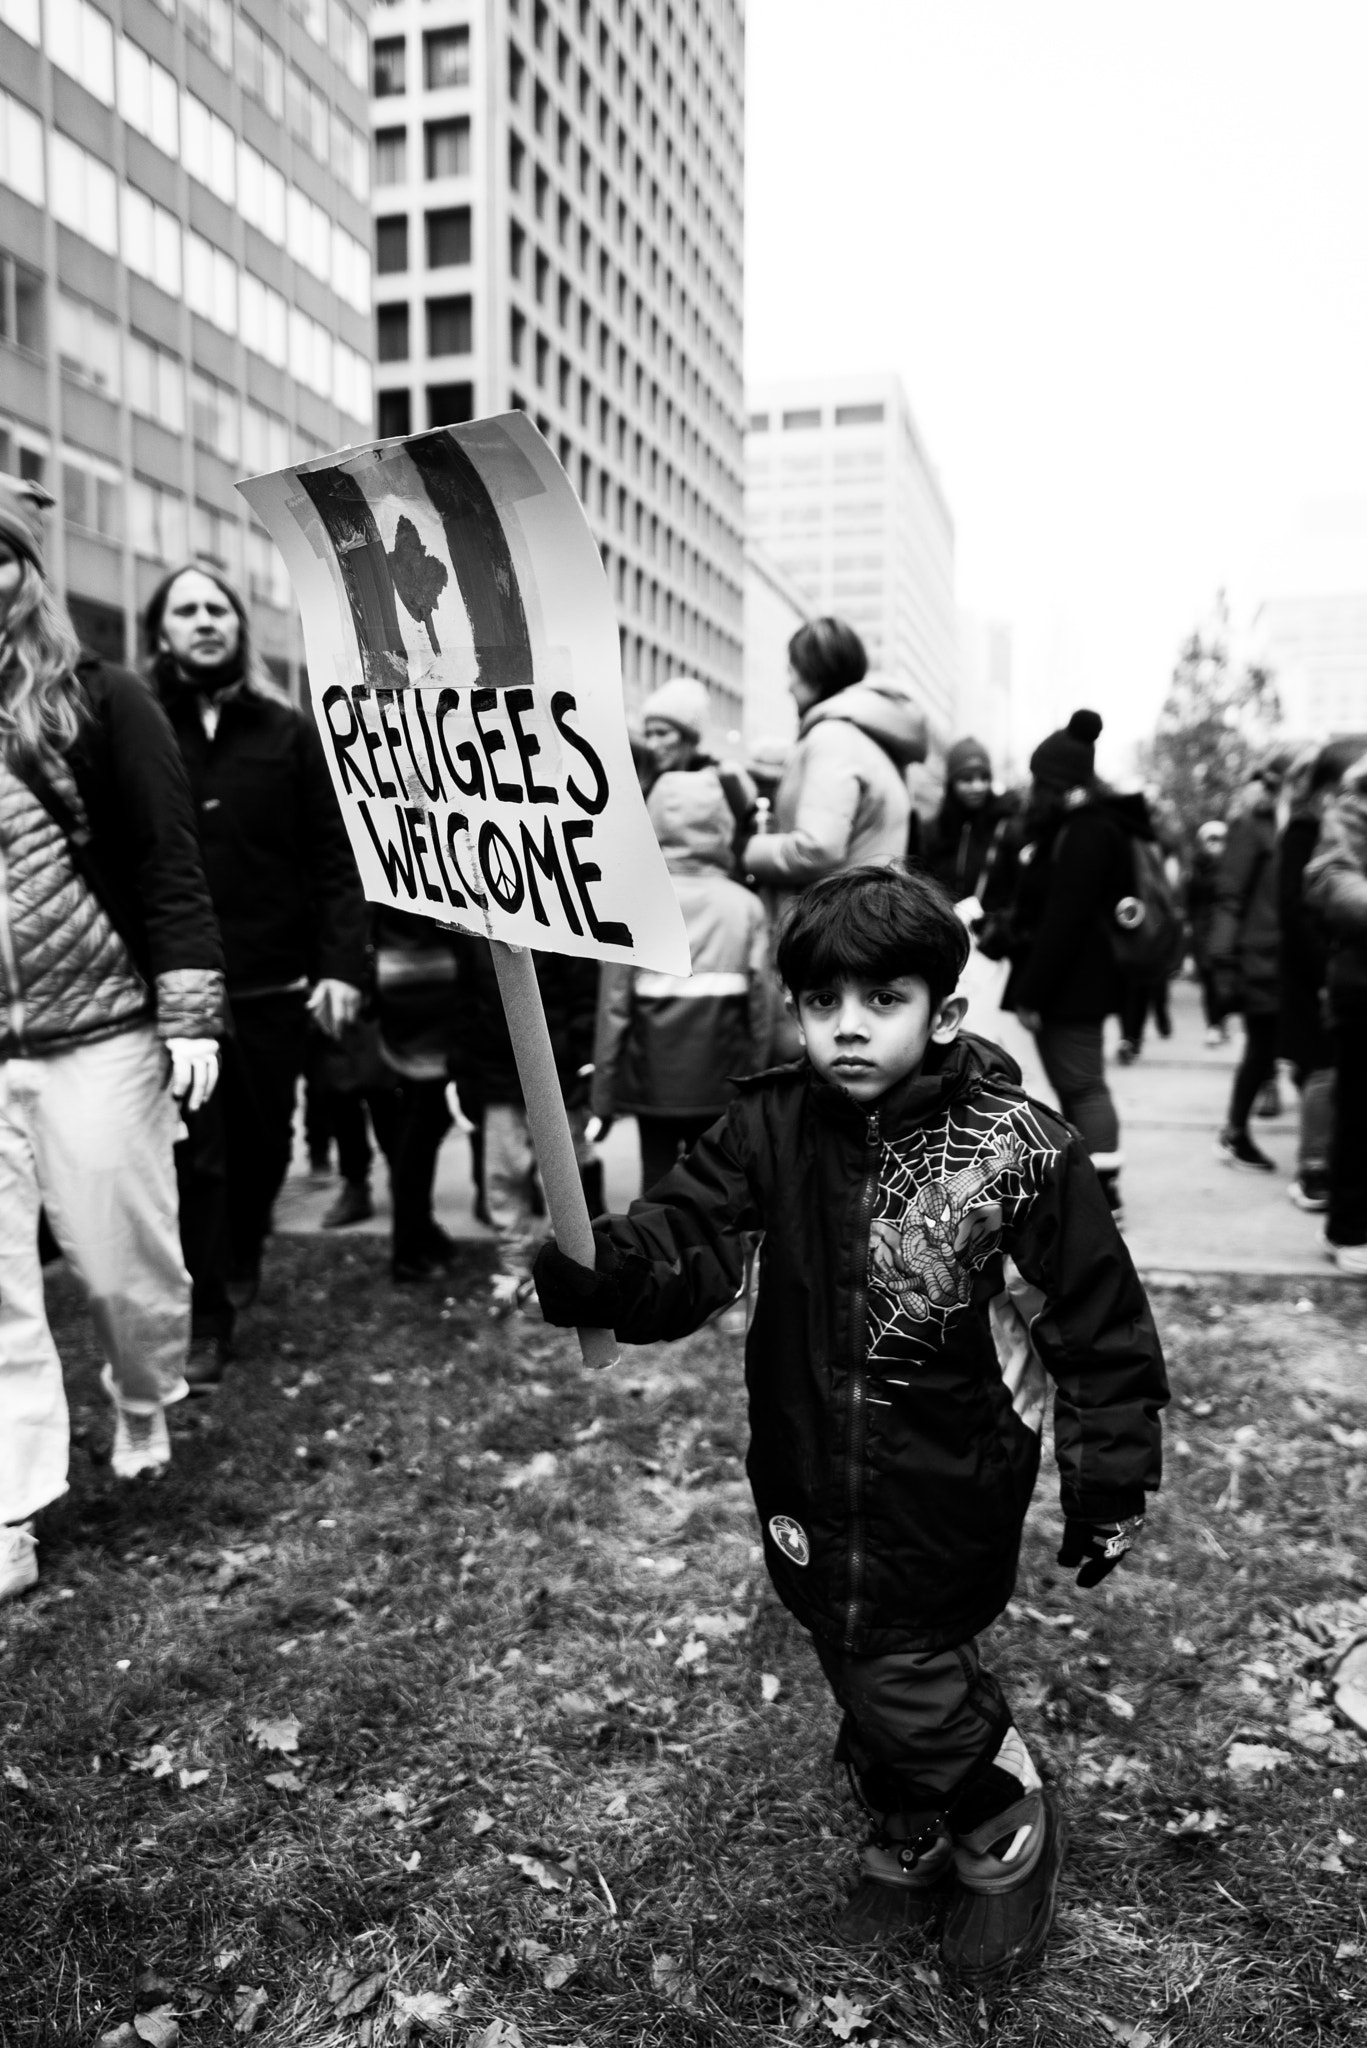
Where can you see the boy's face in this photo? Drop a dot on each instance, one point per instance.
(866, 1036)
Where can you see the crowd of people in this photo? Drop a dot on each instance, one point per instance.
(184, 942)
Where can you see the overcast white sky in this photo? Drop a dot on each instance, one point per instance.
(1118, 253)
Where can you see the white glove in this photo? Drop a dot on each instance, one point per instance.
(333, 1005)
(194, 1070)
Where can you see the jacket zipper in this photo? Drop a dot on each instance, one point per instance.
(15, 1006)
(858, 1395)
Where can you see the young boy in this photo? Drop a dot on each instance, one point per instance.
(934, 1242)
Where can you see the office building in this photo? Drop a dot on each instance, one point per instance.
(841, 496)
(184, 282)
(558, 222)
(983, 708)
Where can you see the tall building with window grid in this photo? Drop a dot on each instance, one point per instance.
(184, 282)
(842, 497)
(558, 221)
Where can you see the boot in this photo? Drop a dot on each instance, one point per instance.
(1008, 1850)
(898, 1888)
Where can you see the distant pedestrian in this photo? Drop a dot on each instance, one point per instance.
(289, 905)
(1075, 864)
(675, 722)
(669, 1048)
(958, 844)
(1245, 945)
(1336, 888)
(1304, 1037)
(1205, 867)
(416, 969)
(111, 1001)
(842, 800)
(490, 1092)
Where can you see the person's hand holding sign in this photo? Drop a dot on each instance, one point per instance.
(333, 1005)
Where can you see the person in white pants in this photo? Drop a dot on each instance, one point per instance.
(111, 1000)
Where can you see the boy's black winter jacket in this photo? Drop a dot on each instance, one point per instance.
(922, 1267)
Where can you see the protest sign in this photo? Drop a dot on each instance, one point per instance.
(465, 671)
(464, 666)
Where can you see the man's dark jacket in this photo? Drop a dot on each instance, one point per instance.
(896, 1362)
(279, 864)
(481, 1060)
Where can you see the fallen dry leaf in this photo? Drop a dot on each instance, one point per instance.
(1200, 1821)
(769, 1687)
(157, 1759)
(248, 2005)
(770, 1979)
(358, 1996)
(498, 2034)
(189, 1778)
(118, 2037)
(847, 2018)
(558, 1972)
(1247, 1759)
(285, 1781)
(281, 1735)
(157, 2028)
(666, 1975)
(481, 1823)
(424, 2009)
(14, 1776)
(550, 1876)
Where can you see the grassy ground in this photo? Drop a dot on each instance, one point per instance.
(562, 1764)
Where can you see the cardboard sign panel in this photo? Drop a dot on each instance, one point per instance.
(464, 665)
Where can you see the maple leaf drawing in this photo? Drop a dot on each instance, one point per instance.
(419, 578)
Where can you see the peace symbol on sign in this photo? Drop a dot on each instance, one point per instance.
(499, 865)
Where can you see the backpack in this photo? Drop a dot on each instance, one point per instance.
(1146, 929)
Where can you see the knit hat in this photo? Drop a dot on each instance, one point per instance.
(682, 701)
(22, 505)
(1068, 758)
(963, 757)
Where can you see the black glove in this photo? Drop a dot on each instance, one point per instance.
(575, 1296)
(1097, 1546)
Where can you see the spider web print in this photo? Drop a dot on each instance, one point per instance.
(944, 1194)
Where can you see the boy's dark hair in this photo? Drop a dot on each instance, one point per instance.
(874, 923)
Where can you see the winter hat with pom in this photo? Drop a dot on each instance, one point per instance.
(963, 757)
(1068, 758)
(682, 701)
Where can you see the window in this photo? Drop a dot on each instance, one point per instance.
(92, 494)
(308, 233)
(264, 320)
(391, 243)
(391, 156)
(517, 337)
(352, 385)
(517, 248)
(347, 41)
(448, 237)
(265, 439)
(210, 24)
(758, 423)
(350, 269)
(81, 40)
(310, 358)
(267, 577)
(154, 381)
(210, 282)
(805, 416)
(260, 194)
(148, 99)
(447, 148)
(351, 156)
(390, 67)
(214, 415)
(450, 326)
(260, 66)
(858, 415)
(313, 15)
(391, 324)
(156, 520)
(445, 58)
(396, 414)
(21, 150)
(517, 157)
(22, 17)
(306, 112)
(84, 195)
(449, 404)
(23, 452)
(87, 345)
(21, 305)
(215, 538)
(207, 148)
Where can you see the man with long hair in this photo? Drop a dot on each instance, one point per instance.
(288, 900)
(111, 997)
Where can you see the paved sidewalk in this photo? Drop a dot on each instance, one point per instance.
(1187, 1212)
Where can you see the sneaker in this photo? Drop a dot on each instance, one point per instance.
(204, 1364)
(1310, 1192)
(1349, 1258)
(1236, 1148)
(142, 1443)
(891, 1896)
(353, 1205)
(1003, 1904)
(18, 1560)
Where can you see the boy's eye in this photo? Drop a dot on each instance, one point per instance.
(885, 999)
(819, 999)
